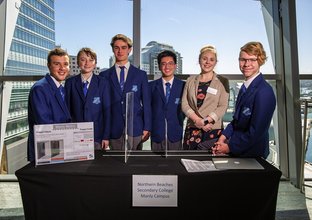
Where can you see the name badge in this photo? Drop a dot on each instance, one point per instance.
(212, 91)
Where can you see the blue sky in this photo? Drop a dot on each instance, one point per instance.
(181, 23)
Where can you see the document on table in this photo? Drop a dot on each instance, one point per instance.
(198, 166)
(66, 142)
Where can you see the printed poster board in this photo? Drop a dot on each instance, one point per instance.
(66, 142)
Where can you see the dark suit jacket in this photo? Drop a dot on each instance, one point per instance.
(248, 131)
(95, 107)
(170, 111)
(45, 106)
(137, 83)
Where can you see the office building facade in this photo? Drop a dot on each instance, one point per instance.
(149, 57)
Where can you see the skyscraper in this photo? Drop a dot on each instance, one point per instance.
(149, 57)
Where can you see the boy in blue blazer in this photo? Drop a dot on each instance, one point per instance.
(88, 98)
(167, 115)
(46, 103)
(248, 133)
(124, 78)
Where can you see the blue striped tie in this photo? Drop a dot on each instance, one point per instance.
(85, 88)
(167, 91)
(62, 92)
(122, 77)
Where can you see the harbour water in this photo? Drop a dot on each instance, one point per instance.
(308, 157)
(309, 148)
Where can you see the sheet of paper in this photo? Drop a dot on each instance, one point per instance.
(67, 142)
(198, 166)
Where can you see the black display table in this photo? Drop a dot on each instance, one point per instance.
(102, 189)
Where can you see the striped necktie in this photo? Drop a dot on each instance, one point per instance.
(85, 87)
(167, 91)
(122, 77)
(62, 92)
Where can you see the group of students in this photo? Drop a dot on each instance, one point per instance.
(159, 106)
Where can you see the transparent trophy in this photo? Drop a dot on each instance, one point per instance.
(129, 125)
(166, 138)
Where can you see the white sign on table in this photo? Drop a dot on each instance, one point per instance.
(155, 190)
(66, 142)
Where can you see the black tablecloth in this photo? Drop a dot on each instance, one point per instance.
(102, 188)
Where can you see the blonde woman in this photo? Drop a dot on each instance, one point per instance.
(204, 102)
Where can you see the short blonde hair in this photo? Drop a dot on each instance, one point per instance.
(255, 48)
(209, 48)
(122, 37)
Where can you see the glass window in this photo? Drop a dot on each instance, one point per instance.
(182, 25)
(304, 30)
(186, 26)
(32, 42)
(115, 17)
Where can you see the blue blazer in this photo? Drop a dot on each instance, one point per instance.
(95, 107)
(137, 83)
(248, 132)
(171, 111)
(45, 106)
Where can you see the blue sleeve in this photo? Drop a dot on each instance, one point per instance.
(40, 101)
